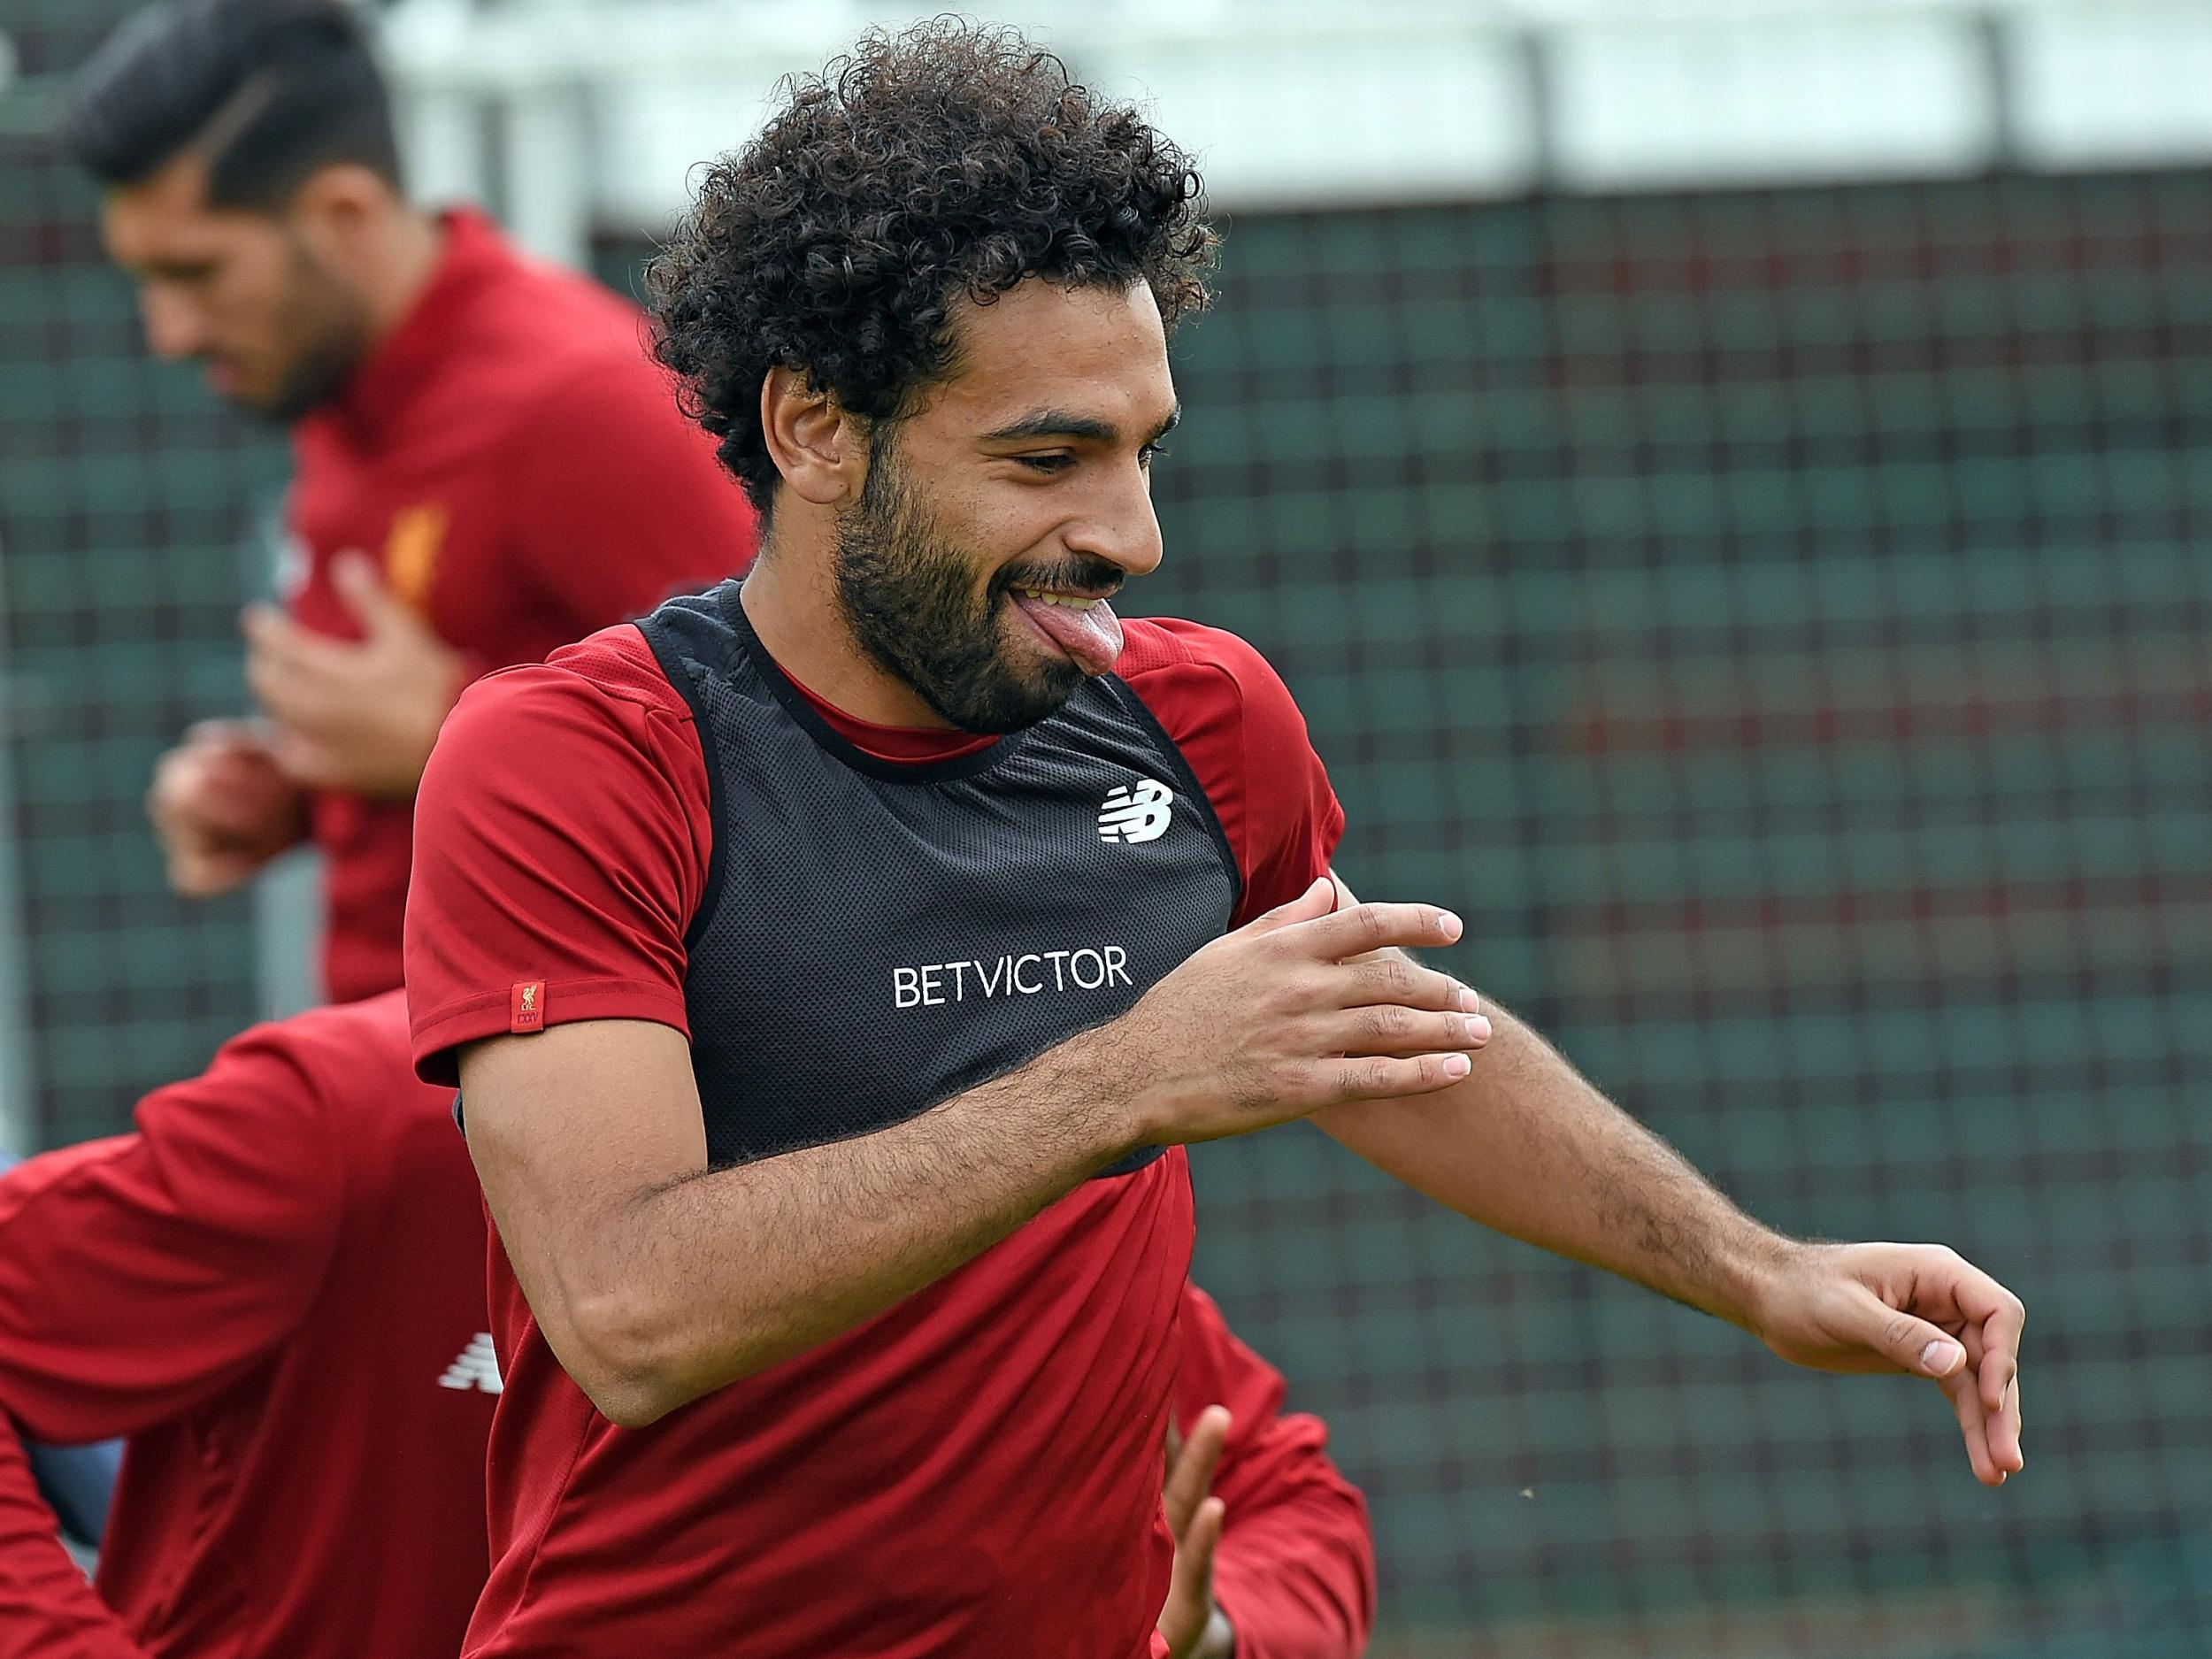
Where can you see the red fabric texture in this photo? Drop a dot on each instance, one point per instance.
(1026, 1394)
(495, 456)
(1296, 1571)
(262, 1288)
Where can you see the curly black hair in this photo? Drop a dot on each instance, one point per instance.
(944, 163)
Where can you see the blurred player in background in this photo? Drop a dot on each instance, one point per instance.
(273, 1287)
(827, 961)
(474, 437)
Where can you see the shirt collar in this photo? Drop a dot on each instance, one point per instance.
(471, 255)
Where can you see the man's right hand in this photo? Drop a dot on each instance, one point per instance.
(222, 807)
(1294, 1013)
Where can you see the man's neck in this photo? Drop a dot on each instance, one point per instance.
(790, 597)
(402, 259)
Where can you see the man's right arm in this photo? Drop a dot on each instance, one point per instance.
(141, 1275)
(48, 1611)
(658, 1280)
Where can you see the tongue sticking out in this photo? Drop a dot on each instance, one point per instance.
(1092, 637)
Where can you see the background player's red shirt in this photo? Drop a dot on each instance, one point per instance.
(523, 876)
(1296, 1571)
(517, 466)
(275, 1289)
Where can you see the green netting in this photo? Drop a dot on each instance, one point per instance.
(125, 499)
(1777, 622)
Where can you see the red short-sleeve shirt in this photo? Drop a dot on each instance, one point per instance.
(562, 836)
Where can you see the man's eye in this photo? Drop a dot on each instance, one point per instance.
(1150, 453)
(1047, 463)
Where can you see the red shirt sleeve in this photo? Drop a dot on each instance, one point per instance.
(48, 1611)
(1243, 737)
(1295, 1570)
(620, 502)
(521, 879)
(141, 1274)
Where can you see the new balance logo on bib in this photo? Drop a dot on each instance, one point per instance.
(1137, 812)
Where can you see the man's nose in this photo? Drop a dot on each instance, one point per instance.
(174, 327)
(1121, 527)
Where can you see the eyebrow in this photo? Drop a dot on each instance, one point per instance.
(1060, 422)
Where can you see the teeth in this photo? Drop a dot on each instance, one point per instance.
(1069, 600)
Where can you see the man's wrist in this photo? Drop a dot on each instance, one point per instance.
(1751, 1271)
(1078, 1087)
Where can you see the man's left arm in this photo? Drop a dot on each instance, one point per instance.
(1526, 1146)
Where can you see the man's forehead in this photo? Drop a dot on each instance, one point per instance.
(1040, 345)
(168, 206)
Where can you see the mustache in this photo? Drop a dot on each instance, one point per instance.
(1088, 575)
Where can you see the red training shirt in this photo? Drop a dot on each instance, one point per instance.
(274, 1288)
(755, 1523)
(517, 465)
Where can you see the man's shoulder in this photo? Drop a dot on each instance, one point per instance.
(609, 675)
(352, 1059)
(540, 335)
(1186, 671)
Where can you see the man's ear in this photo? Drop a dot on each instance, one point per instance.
(815, 444)
(335, 206)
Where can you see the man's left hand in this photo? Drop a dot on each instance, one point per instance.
(1192, 1622)
(354, 715)
(1914, 1308)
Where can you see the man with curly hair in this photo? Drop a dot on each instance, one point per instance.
(834, 966)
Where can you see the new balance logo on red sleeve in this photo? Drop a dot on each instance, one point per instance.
(478, 1367)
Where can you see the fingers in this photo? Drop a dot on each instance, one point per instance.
(1997, 1366)
(1191, 1469)
(287, 669)
(1394, 977)
(1391, 1028)
(1367, 927)
(1194, 1557)
(306, 761)
(375, 606)
(198, 874)
(1990, 1320)
(281, 643)
(1313, 901)
(1388, 1077)
(1973, 1427)
(235, 736)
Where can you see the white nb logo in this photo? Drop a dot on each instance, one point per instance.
(1136, 812)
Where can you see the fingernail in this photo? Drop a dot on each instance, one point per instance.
(1457, 1065)
(1469, 1003)
(1478, 1029)
(1450, 924)
(1939, 1358)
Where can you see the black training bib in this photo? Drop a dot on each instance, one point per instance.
(877, 936)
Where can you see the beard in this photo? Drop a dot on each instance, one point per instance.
(908, 593)
(327, 327)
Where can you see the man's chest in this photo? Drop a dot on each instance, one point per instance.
(432, 521)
